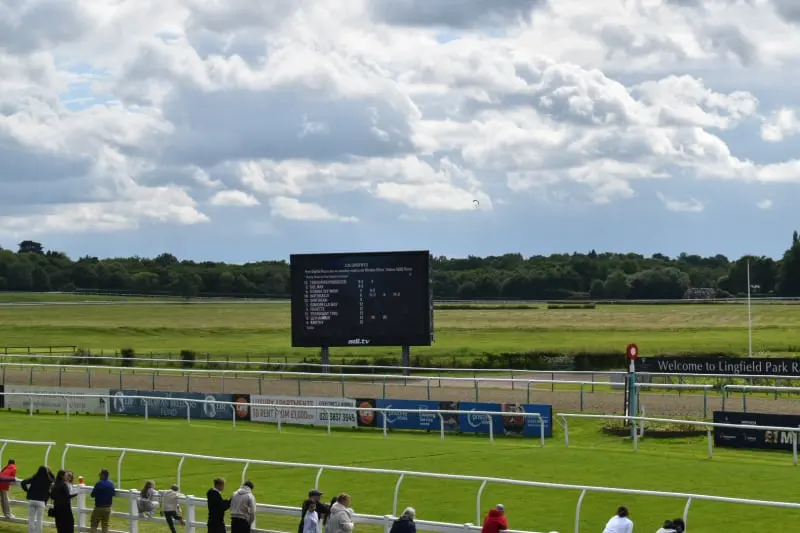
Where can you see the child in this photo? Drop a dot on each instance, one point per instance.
(311, 521)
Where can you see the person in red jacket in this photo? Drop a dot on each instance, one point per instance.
(495, 521)
(7, 476)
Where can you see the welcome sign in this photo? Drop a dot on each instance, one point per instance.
(720, 366)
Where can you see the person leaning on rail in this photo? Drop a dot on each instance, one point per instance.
(217, 505)
(7, 476)
(37, 491)
(620, 522)
(243, 509)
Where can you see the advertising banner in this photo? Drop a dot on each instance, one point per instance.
(242, 410)
(301, 410)
(78, 402)
(505, 422)
(367, 419)
(412, 418)
(760, 439)
(720, 366)
(163, 404)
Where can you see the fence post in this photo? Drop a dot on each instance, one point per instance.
(477, 394)
(133, 509)
(710, 443)
(190, 515)
(528, 395)
(491, 429)
(705, 403)
(744, 400)
(552, 382)
(81, 507)
(581, 397)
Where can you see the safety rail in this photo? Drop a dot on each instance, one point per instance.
(191, 504)
(402, 474)
(708, 425)
(5, 442)
(684, 386)
(745, 388)
(108, 398)
(311, 376)
(305, 364)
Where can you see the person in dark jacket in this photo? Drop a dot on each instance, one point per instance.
(405, 524)
(323, 510)
(37, 489)
(217, 505)
(62, 504)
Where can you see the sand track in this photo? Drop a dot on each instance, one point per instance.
(607, 402)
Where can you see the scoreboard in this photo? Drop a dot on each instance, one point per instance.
(362, 299)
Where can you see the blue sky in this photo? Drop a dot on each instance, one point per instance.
(251, 134)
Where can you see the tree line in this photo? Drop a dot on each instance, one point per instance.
(511, 276)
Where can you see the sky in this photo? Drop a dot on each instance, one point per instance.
(245, 130)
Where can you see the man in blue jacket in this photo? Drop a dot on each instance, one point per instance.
(103, 494)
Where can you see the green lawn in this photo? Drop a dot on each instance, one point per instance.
(237, 329)
(677, 465)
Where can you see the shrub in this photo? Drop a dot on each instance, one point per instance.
(188, 358)
(128, 357)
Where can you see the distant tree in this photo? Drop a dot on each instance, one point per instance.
(617, 286)
(789, 272)
(30, 247)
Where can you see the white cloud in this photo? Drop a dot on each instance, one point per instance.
(691, 205)
(233, 198)
(116, 114)
(781, 124)
(294, 209)
(765, 204)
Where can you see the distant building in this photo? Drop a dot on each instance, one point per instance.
(700, 293)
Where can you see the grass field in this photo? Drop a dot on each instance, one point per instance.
(594, 459)
(237, 329)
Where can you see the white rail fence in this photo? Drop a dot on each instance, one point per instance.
(192, 504)
(484, 481)
(726, 389)
(429, 382)
(5, 442)
(251, 364)
(637, 435)
(108, 398)
(342, 379)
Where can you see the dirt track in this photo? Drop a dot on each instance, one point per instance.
(607, 402)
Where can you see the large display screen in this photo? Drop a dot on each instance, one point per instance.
(362, 299)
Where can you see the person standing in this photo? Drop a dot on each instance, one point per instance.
(341, 520)
(170, 507)
(495, 520)
(405, 524)
(217, 505)
(243, 509)
(103, 494)
(310, 518)
(322, 509)
(62, 503)
(9, 473)
(620, 522)
(37, 490)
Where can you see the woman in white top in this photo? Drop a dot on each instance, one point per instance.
(311, 520)
(620, 522)
(147, 502)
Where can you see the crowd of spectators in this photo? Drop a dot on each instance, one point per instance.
(315, 515)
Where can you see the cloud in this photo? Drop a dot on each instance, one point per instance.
(454, 13)
(780, 124)
(293, 209)
(126, 115)
(691, 205)
(764, 205)
(233, 198)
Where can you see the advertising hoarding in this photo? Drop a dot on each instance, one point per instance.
(301, 410)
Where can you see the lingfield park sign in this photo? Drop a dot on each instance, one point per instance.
(720, 366)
